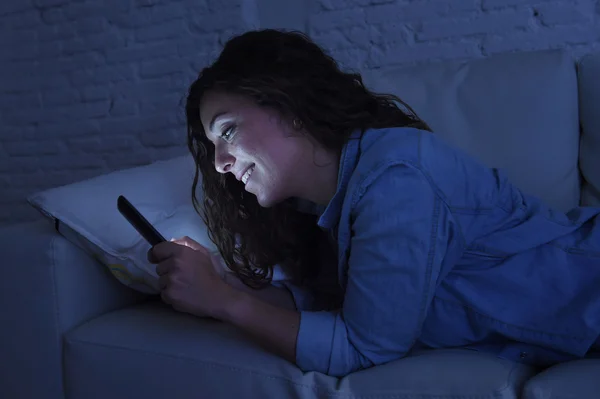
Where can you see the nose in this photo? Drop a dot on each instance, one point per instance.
(223, 160)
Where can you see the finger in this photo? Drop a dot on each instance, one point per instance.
(179, 241)
(163, 268)
(182, 241)
(152, 258)
(165, 297)
(163, 250)
(163, 282)
(188, 242)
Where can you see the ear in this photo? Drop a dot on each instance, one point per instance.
(297, 124)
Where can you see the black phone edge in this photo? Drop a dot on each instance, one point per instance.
(138, 221)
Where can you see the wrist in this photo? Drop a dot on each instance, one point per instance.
(233, 299)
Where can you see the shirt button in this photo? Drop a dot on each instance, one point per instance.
(523, 355)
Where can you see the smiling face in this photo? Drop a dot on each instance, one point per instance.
(274, 160)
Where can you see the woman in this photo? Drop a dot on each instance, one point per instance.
(433, 249)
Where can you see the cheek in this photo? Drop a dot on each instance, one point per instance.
(276, 154)
(283, 157)
(244, 150)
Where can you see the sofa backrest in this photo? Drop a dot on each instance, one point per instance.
(517, 112)
(589, 111)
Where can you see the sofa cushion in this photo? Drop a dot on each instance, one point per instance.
(517, 112)
(48, 287)
(589, 102)
(577, 379)
(150, 351)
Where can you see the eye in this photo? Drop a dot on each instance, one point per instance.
(227, 134)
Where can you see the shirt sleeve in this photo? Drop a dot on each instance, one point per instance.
(393, 266)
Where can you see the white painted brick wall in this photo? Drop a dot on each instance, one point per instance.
(90, 86)
(367, 34)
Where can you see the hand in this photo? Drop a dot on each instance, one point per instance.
(217, 262)
(187, 277)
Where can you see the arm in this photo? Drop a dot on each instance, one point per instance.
(274, 327)
(393, 267)
(277, 293)
(274, 307)
(276, 296)
(323, 291)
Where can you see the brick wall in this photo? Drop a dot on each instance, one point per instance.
(374, 33)
(90, 86)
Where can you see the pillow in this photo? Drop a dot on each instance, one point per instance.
(517, 112)
(86, 214)
(589, 97)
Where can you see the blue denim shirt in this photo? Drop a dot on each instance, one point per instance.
(436, 250)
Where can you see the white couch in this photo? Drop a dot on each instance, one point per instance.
(70, 330)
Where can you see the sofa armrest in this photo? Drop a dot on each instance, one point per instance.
(48, 286)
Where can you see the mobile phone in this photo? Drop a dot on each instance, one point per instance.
(139, 222)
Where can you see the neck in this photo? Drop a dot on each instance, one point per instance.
(324, 185)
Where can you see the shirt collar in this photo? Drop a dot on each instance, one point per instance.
(348, 160)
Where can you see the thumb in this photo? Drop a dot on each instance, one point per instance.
(188, 242)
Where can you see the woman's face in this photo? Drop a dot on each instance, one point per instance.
(272, 159)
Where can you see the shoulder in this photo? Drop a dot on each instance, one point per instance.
(403, 145)
(456, 176)
(383, 150)
(390, 167)
(391, 143)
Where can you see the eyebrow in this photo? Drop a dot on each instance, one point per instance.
(214, 118)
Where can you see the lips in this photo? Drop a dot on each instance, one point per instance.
(241, 175)
(246, 176)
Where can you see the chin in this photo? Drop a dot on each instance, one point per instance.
(267, 201)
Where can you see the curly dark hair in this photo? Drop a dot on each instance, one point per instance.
(286, 71)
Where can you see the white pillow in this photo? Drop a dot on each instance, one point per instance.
(86, 214)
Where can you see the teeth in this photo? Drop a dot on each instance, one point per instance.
(247, 175)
